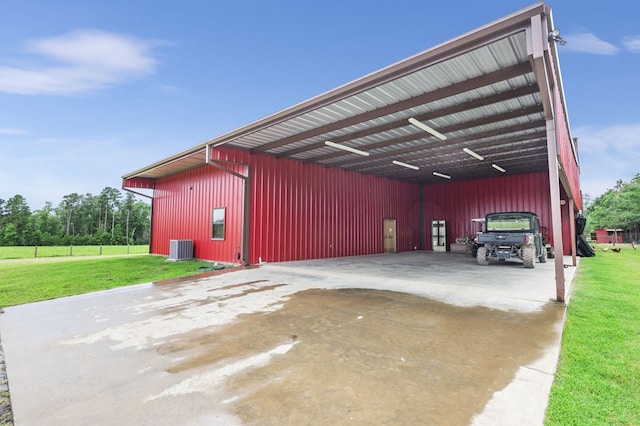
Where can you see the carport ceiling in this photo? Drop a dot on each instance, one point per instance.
(479, 90)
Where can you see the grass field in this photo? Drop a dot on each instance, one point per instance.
(598, 377)
(31, 280)
(57, 251)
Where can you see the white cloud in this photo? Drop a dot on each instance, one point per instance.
(589, 43)
(632, 44)
(607, 154)
(10, 131)
(78, 62)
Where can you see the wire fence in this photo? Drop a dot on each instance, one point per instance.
(24, 252)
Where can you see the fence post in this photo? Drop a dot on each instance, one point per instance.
(100, 249)
(70, 250)
(127, 248)
(35, 253)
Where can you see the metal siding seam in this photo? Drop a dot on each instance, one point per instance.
(312, 229)
(278, 212)
(273, 206)
(267, 213)
(282, 212)
(257, 210)
(324, 215)
(349, 211)
(287, 244)
(293, 213)
(338, 195)
(302, 223)
(316, 212)
(263, 212)
(256, 199)
(298, 210)
(271, 212)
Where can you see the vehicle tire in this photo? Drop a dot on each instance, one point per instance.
(528, 256)
(543, 255)
(481, 256)
(551, 253)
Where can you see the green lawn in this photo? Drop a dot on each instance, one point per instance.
(598, 378)
(56, 251)
(31, 280)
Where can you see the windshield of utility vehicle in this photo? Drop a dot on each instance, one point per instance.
(510, 222)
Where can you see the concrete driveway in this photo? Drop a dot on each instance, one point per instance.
(409, 338)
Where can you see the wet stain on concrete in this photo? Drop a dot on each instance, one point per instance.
(251, 290)
(179, 307)
(190, 278)
(230, 286)
(369, 357)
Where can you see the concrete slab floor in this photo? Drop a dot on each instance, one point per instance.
(409, 338)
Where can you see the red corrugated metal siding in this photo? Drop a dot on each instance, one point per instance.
(459, 202)
(298, 211)
(307, 212)
(182, 209)
(604, 236)
(303, 211)
(139, 182)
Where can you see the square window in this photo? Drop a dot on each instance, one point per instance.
(217, 223)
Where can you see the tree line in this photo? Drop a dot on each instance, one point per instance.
(618, 208)
(107, 218)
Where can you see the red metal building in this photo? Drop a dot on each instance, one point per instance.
(609, 236)
(474, 125)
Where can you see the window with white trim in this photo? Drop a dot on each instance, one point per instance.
(217, 223)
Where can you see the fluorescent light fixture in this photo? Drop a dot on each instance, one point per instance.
(408, 166)
(427, 129)
(442, 175)
(346, 148)
(473, 154)
(498, 168)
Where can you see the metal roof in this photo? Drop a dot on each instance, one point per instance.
(481, 90)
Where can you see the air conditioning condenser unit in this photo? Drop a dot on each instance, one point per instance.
(180, 250)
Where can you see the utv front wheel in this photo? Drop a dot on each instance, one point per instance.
(528, 256)
(481, 256)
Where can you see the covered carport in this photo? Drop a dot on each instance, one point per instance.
(487, 104)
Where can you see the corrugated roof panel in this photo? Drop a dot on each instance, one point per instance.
(425, 80)
(518, 44)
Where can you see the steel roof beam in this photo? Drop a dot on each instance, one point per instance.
(420, 135)
(525, 144)
(441, 144)
(476, 103)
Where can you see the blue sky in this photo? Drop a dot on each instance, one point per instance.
(88, 94)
